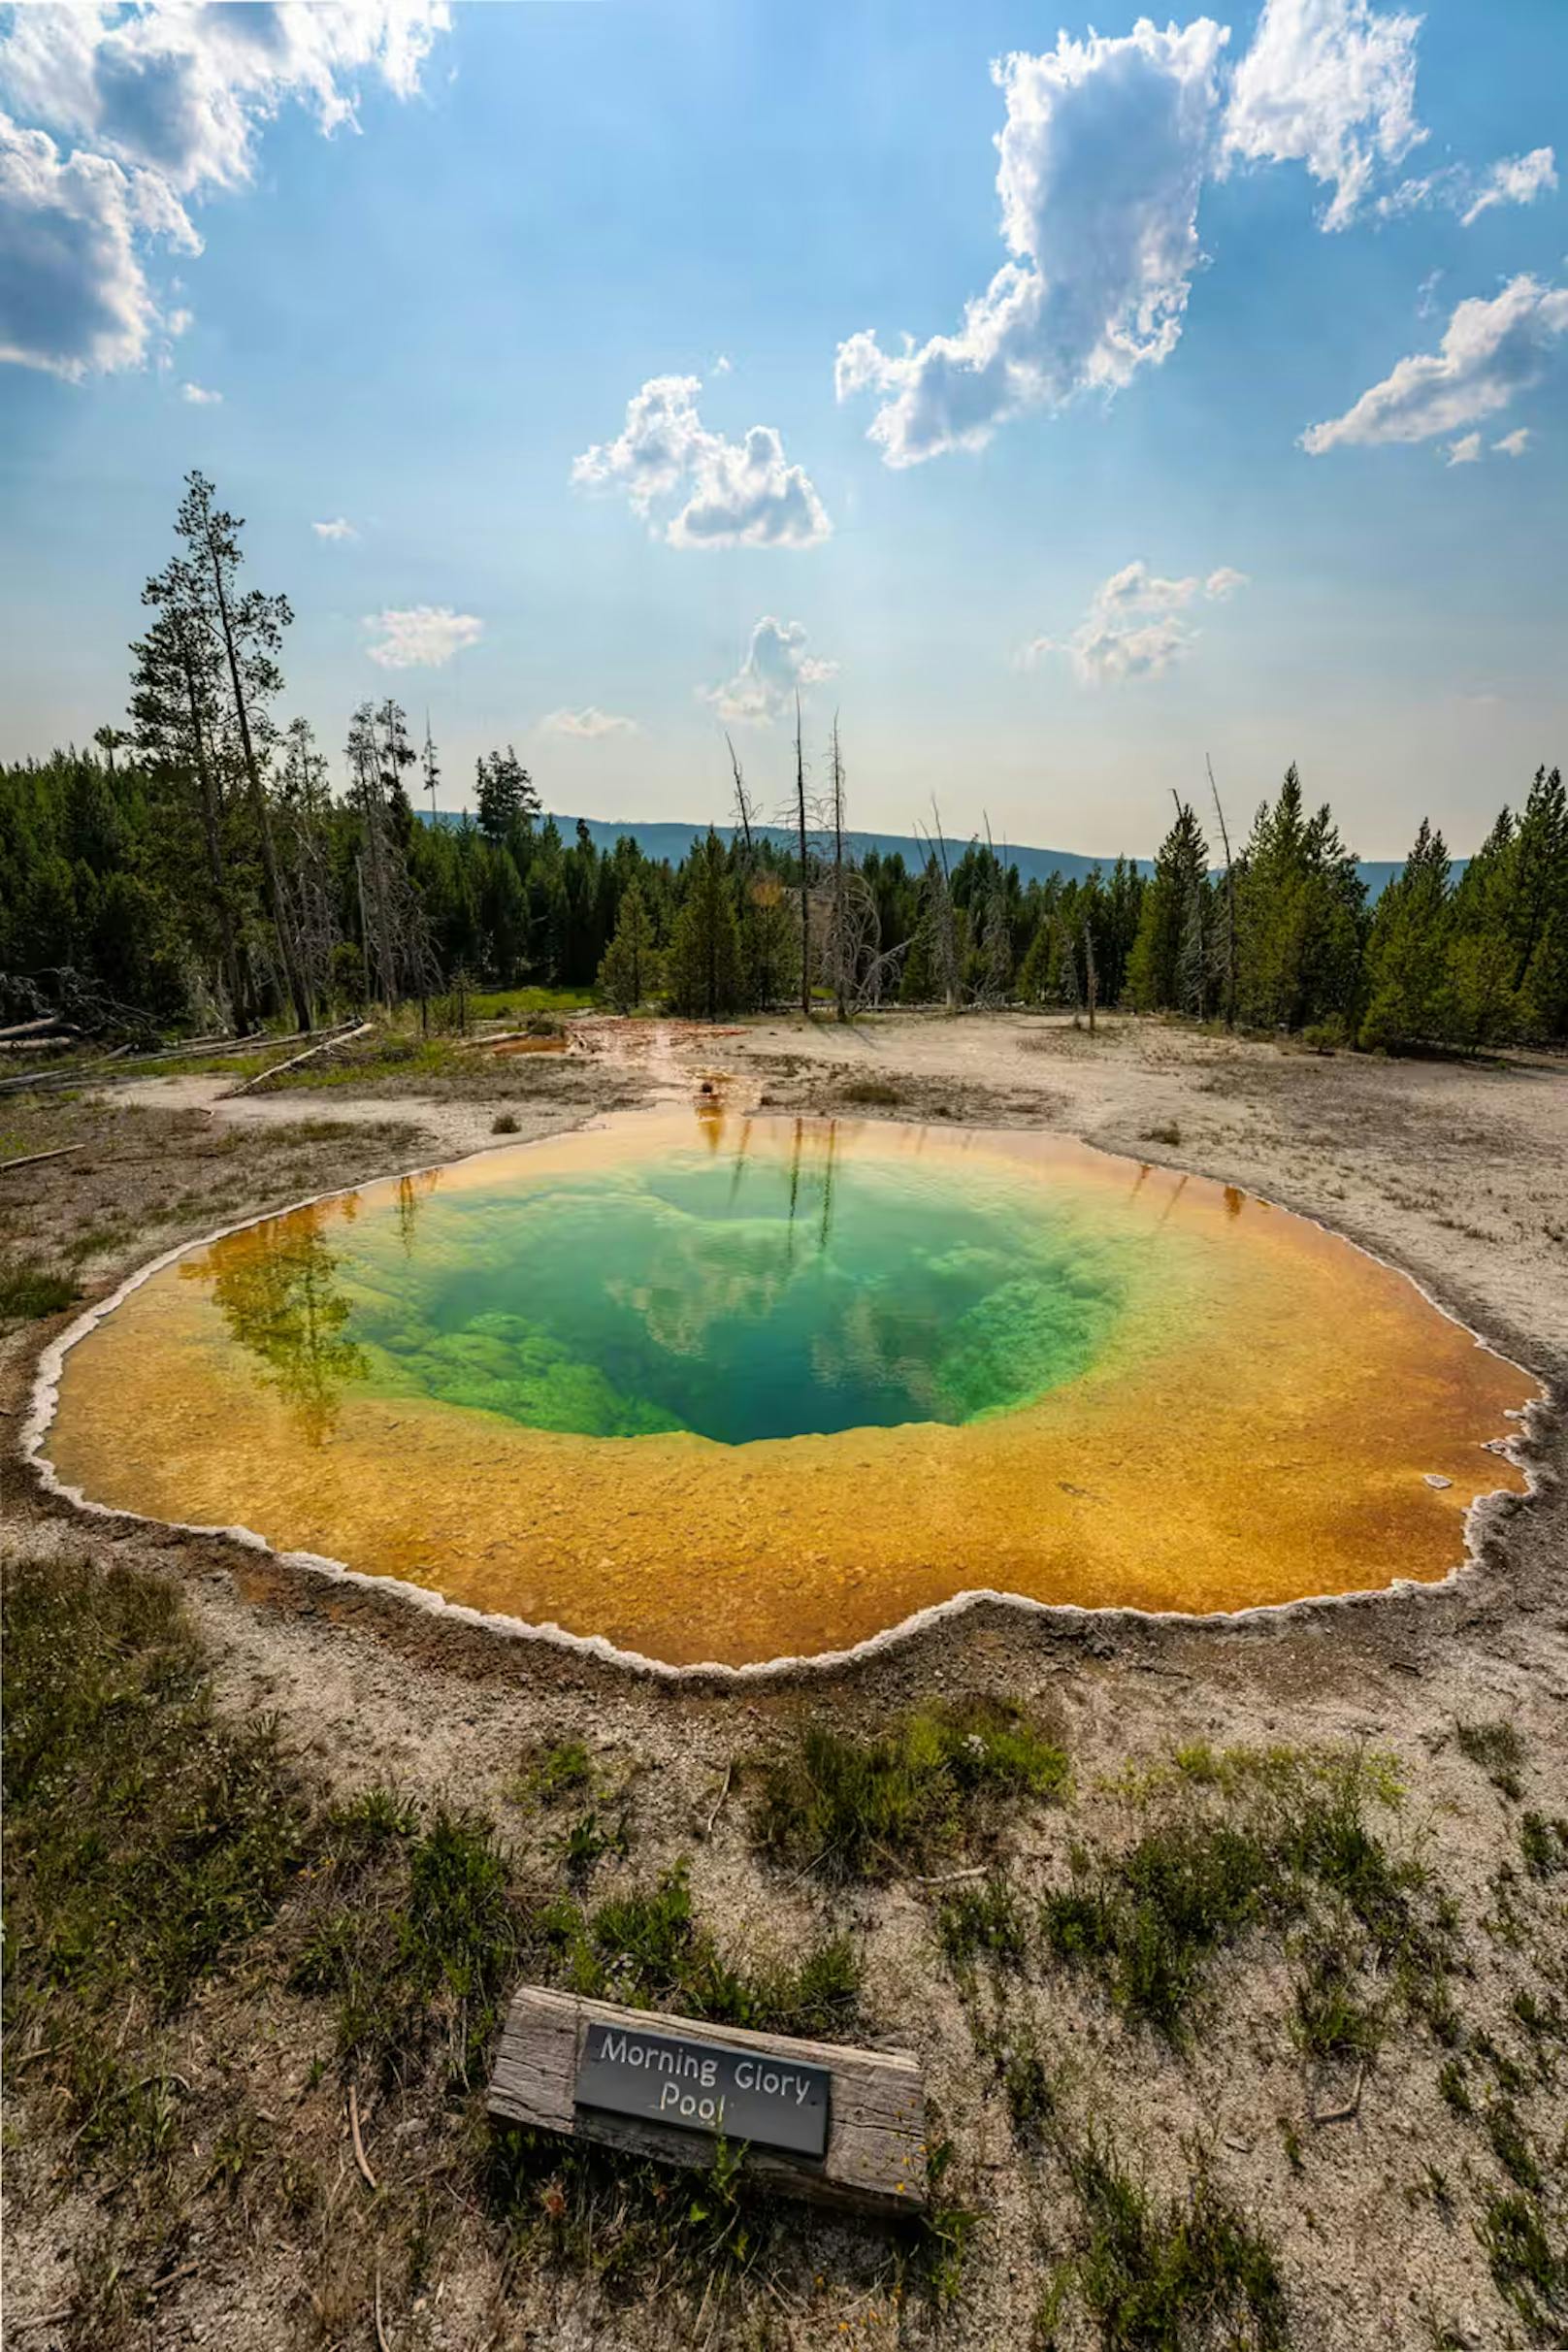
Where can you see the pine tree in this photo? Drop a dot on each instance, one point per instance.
(247, 628)
(627, 972)
(705, 946)
(1172, 907)
(506, 798)
(1407, 955)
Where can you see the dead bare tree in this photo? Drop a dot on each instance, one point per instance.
(804, 847)
(1091, 975)
(1230, 904)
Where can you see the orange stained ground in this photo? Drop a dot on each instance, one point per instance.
(1276, 1444)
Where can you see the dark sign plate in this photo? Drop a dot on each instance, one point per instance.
(763, 2096)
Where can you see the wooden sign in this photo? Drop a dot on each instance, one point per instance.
(845, 2125)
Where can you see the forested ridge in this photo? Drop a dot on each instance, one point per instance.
(198, 867)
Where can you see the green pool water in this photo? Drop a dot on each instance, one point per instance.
(781, 1291)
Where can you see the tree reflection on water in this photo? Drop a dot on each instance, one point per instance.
(273, 1286)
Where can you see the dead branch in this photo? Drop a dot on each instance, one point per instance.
(361, 2160)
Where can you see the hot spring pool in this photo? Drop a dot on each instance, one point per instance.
(741, 1389)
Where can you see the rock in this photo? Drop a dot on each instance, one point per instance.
(1432, 1479)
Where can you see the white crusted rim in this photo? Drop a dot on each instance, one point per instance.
(1479, 1513)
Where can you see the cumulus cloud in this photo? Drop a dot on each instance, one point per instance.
(1138, 625)
(1491, 351)
(1466, 452)
(338, 527)
(587, 724)
(725, 494)
(1515, 444)
(200, 397)
(74, 294)
(423, 637)
(120, 116)
(1102, 155)
(1331, 84)
(777, 666)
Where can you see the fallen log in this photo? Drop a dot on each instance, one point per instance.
(339, 1036)
(30, 1159)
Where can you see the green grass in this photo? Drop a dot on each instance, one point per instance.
(1190, 2273)
(875, 1807)
(648, 1951)
(1332, 2022)
(1150, 1920)
(1543, 1844)
(1529, 2270)
(1498, 1749)
(417, 1941)
(29, 1289)
(984, 1921)
(146, 1837)
(548, 1774)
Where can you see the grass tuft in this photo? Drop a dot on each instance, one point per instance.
(647, 1950)
(29, 1290)
(877, 1806)
(1498, 1749)
(1194, 2273)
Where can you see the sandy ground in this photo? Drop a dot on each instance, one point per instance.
(1455, 1173)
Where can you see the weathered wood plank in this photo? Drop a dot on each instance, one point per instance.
(875, 2157)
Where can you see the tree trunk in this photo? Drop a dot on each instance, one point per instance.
(210, 827)
(277, 906)
(805, 884)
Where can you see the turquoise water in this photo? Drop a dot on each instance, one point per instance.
(772, 1294)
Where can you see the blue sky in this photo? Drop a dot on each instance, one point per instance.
(1255, 446)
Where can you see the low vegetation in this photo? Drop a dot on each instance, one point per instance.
(880, 1806)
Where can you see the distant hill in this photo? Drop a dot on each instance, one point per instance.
(672, 840)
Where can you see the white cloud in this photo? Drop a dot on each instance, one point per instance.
(150, 107)
(731, 494)
(200, 397)
(1515, 444)
(1491, 351)
(338, 527)
(723, 365)
(1330, 83)
(1465, 451)
(1516, 179)
(776, 668)
(424, 637)
(587, 724)
(1103, 154)
(75, 295)
(1136, 625)
(1512, 180)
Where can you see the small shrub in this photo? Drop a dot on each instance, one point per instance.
(870, 1808)
(1330, 2022)
(1170, 1133)
(1329, 1036)
(550, 1773)
(505, 1124)
(1498, 1749)
(984, 1919)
